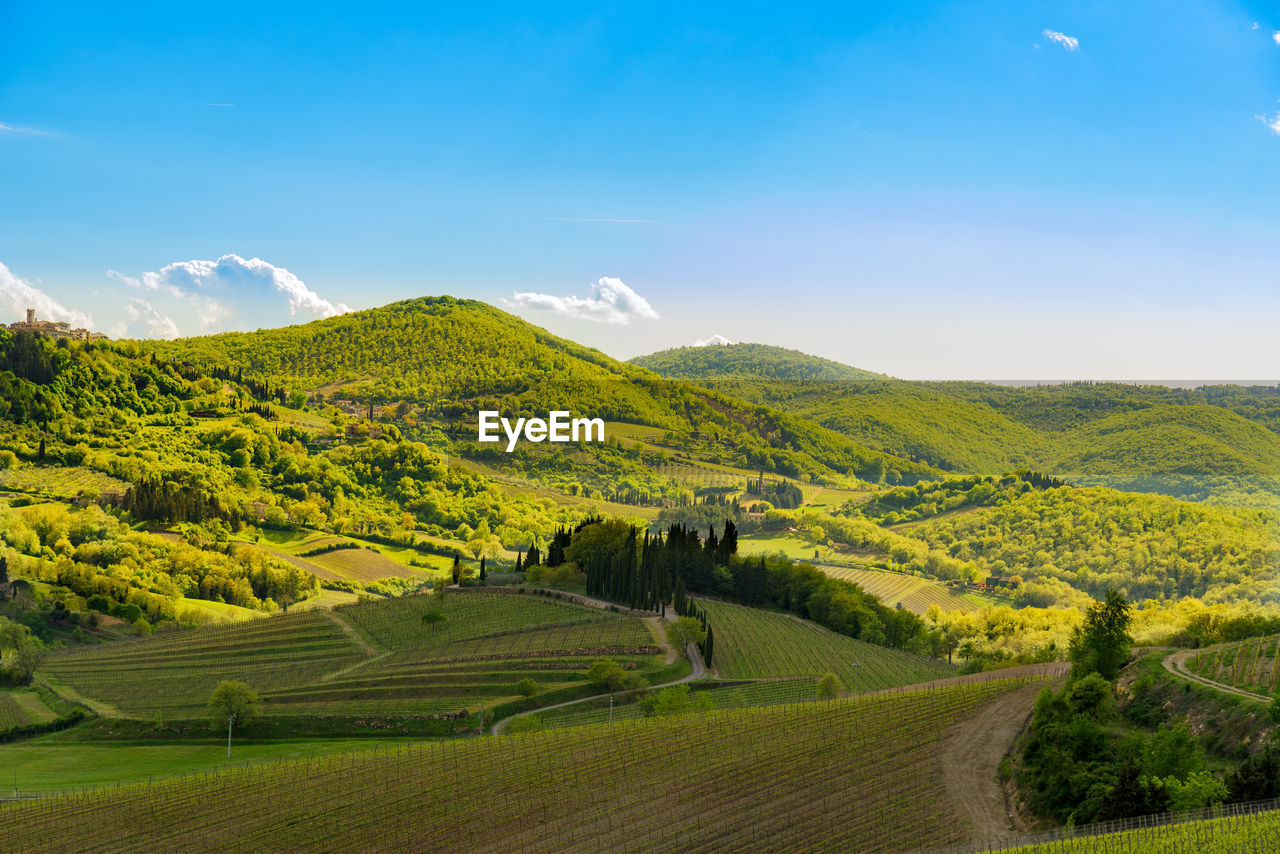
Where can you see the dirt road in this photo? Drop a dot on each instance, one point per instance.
(699, 669)
(1177, 665)
(970, 762)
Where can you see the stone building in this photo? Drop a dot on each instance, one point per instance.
(52, 329)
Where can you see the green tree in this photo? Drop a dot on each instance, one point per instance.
(609, 675)
(830, 687)
(432, 619)
(526, 687)
(675, 700)
(1102, 644)
(233, 700)
(28, 658)
(685, 631)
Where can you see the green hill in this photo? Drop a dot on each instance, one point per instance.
(1077, 428)
(441, 360)
(748, 360)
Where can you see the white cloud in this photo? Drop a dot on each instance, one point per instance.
(17, 295)
(610, 301)
(18, 129)
(713, 341)
(232, 292)
(1063, 39)
(1275, 37)
(1273, 123)
(157, 325)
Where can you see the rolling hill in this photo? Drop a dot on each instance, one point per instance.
(1073, 429)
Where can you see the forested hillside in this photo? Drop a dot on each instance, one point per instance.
(1106, 429)
(439, 360)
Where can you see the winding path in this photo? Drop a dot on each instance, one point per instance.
(1177, 665)
(699, 669)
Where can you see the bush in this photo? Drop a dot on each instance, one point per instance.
(99, 603)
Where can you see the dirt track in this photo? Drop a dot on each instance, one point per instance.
(1177, 665)
(971, 758)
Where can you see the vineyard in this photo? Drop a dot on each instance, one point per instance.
(1251, 665)
(22, 707)
(728, 695)
(60, 481)
(1258, 832)
(370, 658)
(856, 774)
(914, 593)
(756, 644)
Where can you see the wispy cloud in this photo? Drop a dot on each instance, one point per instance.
(24, 130)
(1273, 123)
(589, 219)
(157, 324)
(713, 341)
(1063, 39)
(609, 301)
(17, 295)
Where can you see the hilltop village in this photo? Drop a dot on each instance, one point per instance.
(52, 328)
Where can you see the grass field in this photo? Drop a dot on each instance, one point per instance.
(752, 644)
(790, 545)
(1253, 665)
(368, 658)
(857, 774)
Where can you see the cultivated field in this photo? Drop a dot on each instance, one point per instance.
(60, 481)
(1251, 665)
(726, 695)
(916, 594)
(752, 644)
(1248, 833)
(370, 658)
(857, 774)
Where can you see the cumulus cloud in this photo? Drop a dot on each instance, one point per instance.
(1273, 123)
(220, 293)
(17, 295)
(1061, 38)
(609, 301)
(713, 341)
(1275, 37)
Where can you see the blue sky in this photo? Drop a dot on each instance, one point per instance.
(925, 189)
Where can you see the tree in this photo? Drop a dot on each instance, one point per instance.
(1102, 644)
(483, 574)
(685, 631)
(830, 687)
(526, 687)
(456, 571)
(27, 659)
(675, 700)
(233, 700)
(432, 619)
(609, 675)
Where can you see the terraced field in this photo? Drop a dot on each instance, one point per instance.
(21, 707)
(915, 594)
(752, 644)
(1251, 665)
(858, 774)
(369, 658)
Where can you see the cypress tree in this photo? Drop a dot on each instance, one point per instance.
(482, 571)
